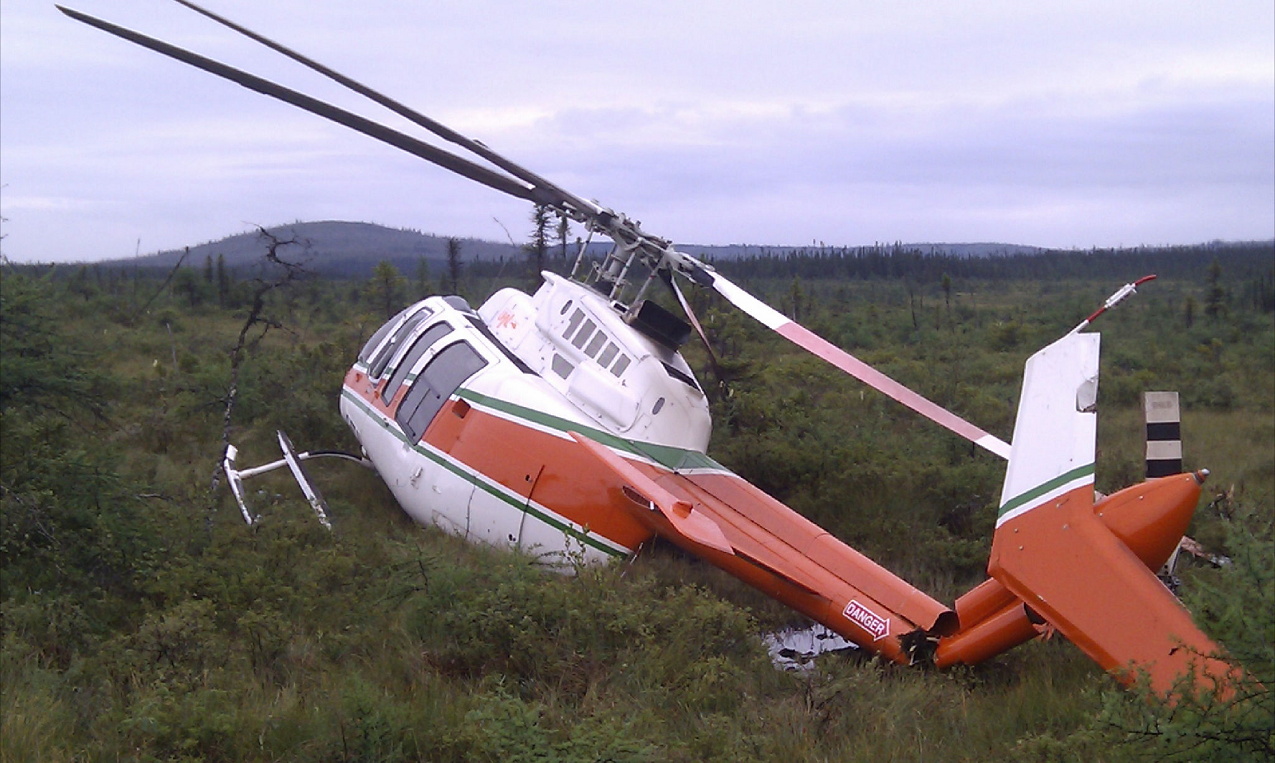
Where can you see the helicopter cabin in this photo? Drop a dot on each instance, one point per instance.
(455, 421)
(627, 376)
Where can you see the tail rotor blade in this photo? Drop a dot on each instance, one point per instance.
(813, 343)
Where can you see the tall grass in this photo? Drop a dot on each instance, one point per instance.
(204, 639)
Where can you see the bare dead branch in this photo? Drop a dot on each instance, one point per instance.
(164, 285)
(246, 342)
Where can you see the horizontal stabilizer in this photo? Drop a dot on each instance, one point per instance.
(1052, 551)
(1068, 567)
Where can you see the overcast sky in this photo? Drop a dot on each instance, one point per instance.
(1062, 124)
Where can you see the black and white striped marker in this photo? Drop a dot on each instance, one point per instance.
(1164, 433)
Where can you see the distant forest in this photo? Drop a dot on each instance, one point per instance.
(1253, 260)
(1249, 267)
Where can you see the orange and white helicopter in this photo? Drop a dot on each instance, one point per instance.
(567, 424)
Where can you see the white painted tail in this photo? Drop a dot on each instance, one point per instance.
(1055, 433)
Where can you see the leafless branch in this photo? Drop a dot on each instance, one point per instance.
(247, 342)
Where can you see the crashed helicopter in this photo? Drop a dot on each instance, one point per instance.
(566, 423)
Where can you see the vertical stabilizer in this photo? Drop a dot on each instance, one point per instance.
(1056, 429)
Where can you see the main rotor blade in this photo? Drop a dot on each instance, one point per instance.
(531, 187)
(384, 134)
(545, 192)
(808, 340)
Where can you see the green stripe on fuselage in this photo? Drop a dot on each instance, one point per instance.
(473, 478)
(669, 457)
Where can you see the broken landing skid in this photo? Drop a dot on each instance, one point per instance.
(293, 461)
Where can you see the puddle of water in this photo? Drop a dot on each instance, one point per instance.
(796, 648)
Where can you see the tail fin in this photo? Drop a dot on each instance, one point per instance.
(1056, 430)
(1052, 551)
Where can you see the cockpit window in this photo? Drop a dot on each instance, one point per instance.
(376, 366)
(441, 377)
(459, 303)
(483, 329)
(380, 334)
(415, 353)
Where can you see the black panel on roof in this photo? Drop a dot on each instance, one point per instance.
(660, 325)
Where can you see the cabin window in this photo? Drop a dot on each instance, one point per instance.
(585, 332)
(441, 377)
(608, 355)
(565, 307)
(620, 365)
(378, 363)
(414, 353)
(659, 406)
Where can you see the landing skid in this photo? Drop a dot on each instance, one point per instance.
(293, 461)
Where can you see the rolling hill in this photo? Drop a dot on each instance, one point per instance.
(352, 249)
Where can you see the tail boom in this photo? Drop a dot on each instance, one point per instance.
(720, 518)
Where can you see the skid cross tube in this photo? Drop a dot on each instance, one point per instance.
(292, 460)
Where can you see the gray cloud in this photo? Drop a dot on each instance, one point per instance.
(1063, 124)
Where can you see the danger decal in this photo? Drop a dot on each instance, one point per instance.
(874, 624)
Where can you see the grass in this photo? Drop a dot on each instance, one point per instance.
(386, 641)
